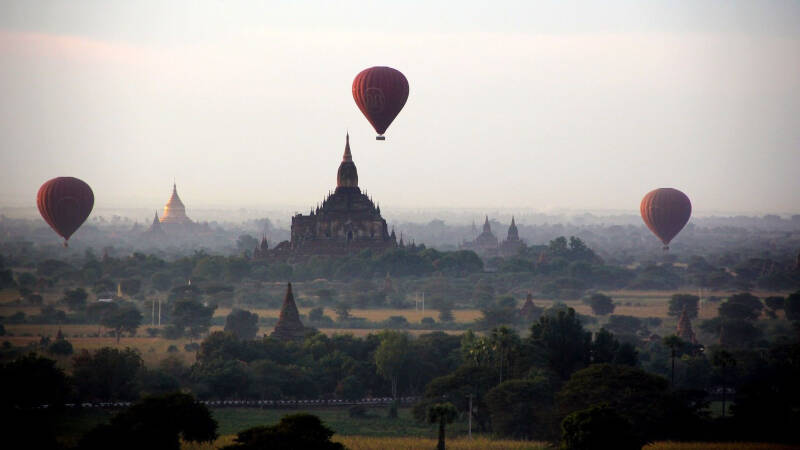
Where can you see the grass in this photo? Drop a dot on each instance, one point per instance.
(233, 420)
(414, 443)
(481, 443)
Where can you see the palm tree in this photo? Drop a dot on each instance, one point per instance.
(723, 360)
(674, 343)
(503, 340)
(443, 413)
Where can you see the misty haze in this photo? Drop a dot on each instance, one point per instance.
(349, 225)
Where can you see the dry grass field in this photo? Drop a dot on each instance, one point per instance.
(374, 315)
(482, 443)
(399, 443)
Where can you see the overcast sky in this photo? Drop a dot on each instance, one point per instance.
(529, 105)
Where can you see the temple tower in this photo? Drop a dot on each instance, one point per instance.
(684, 329)
(289, 326)
(174, 210)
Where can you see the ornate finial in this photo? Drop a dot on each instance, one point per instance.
(347, 155)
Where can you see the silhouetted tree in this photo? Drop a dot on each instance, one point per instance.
(242, 323)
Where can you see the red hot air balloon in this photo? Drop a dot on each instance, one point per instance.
(665, 211)
(65, 203)
(380, 93)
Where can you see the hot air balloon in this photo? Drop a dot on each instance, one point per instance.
(380, 93)
(666, 211)
(65, 203)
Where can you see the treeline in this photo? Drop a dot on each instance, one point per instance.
(557, 376)
(564, 269)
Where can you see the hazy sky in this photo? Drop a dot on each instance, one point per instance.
(530, 105)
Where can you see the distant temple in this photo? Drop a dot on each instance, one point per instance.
(486, 244)
(174, 211)
(347, 221)
(513, 244)
(289, 326)
(173, 221)
(684, 329)
(529, 310)
(155, 229)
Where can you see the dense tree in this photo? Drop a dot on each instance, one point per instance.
(744, 306)
(109, 374)
(639, 397)
(31, 381)
(294, 431)
(602, 305)
(124, 318)
(130, 286)
(191, 317)
(607, 349)
(521, 408)
(342, 311)
(160, 422)
(598, 427)
(75, 299)
(560, 343)
(391, 355)
(242, 323)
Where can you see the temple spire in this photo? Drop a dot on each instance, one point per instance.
(289, 327)
(347, 155)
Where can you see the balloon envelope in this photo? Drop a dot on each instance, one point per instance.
(65, 203)
(380, 93)
(666, 211)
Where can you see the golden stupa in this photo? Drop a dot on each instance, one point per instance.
(174, 211)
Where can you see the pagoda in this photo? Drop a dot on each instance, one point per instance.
(529, 310)
(174, 210)
(513, 244)
(347, 221)
(684, 329)
(155, 227)
(289, 326)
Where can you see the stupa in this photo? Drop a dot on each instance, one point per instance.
(174, 210)
(289, 326)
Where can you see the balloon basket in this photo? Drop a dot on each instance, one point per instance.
(380, 138)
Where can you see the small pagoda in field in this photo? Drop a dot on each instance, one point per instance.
(684, 329)
(529, 310)
(289, 326)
